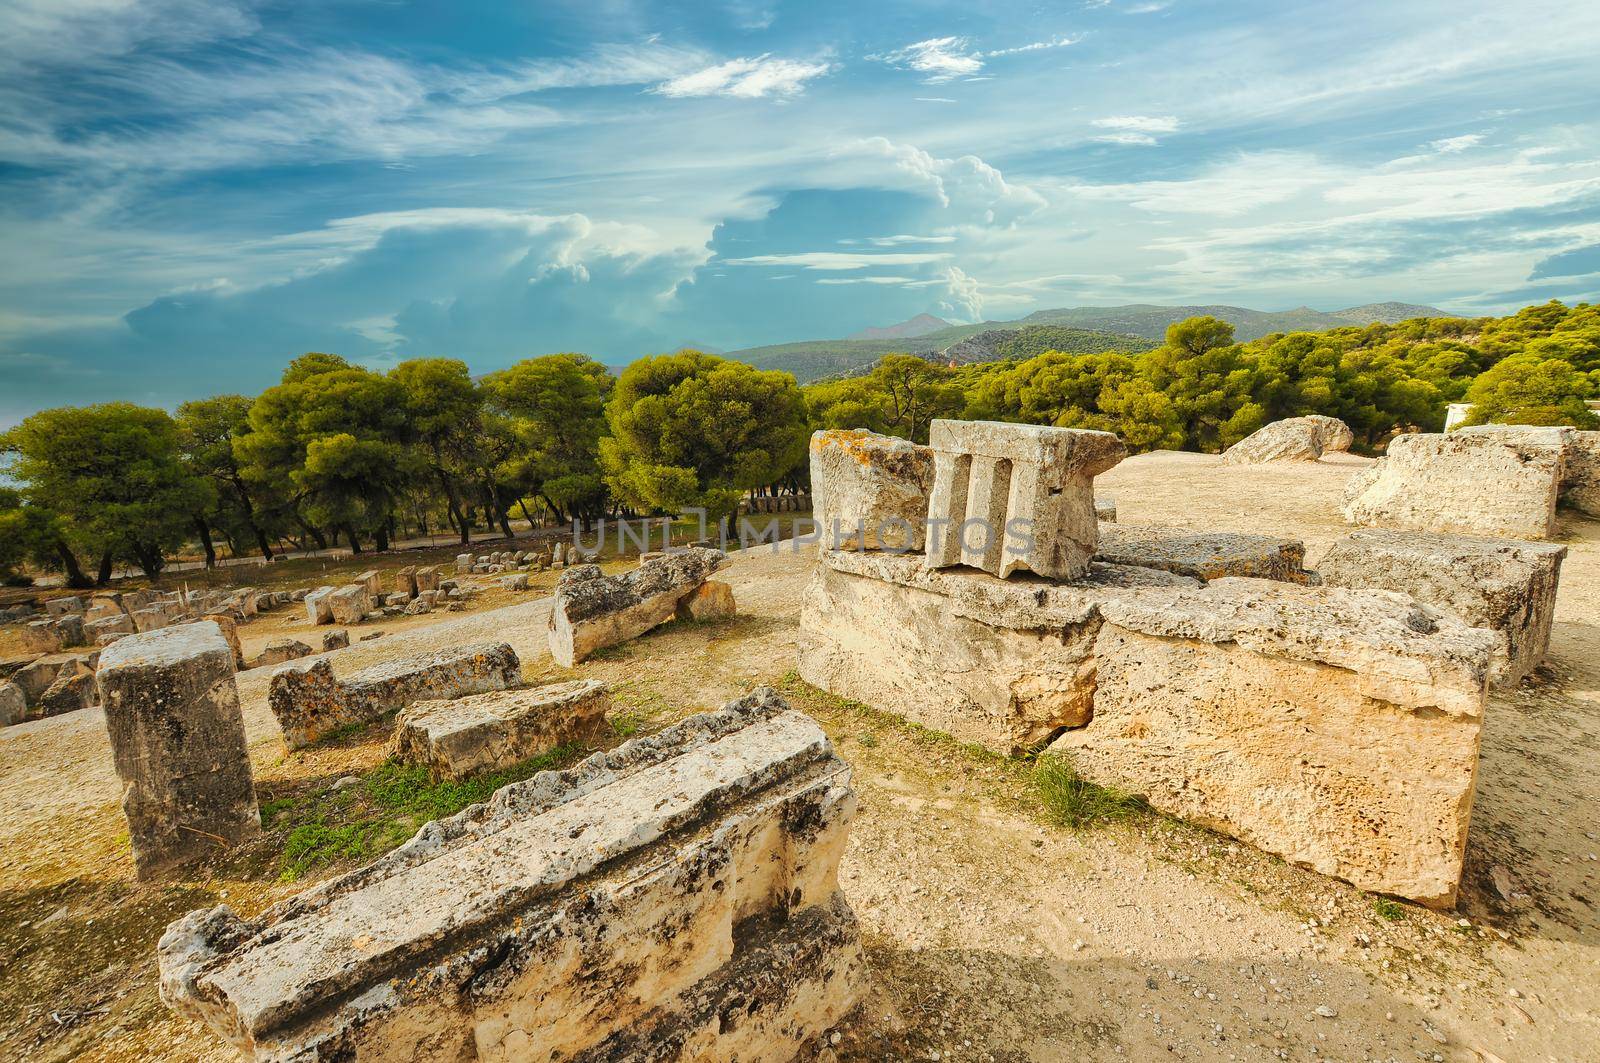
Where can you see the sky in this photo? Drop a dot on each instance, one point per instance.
(193, 192)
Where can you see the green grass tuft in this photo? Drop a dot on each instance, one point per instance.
(1387, 910)
(1074, 802)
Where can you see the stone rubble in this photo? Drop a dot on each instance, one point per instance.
(591, 610)
(489, 732)
(674, 899)
(1204, 555)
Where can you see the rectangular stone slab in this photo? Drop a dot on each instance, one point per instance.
(488, 732)
(592, 610)
(870, 487)
(177, 741)
(1506, 585)
(565, 917)
(1203, 555)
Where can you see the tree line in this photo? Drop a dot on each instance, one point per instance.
(339, 454)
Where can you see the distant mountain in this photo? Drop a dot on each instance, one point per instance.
(920, 325)
(1135, 327)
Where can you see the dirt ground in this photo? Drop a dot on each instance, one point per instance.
(992, 935)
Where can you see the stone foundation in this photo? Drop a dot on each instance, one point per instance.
(489, 732)
(675, 899)
(1501, 584)
(1204, 555)
(309, 702)
(1467, 483)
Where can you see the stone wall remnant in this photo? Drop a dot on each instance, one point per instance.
(1204, 555)
(177, 740)
(1015, 497)
(494, 731)
(870, 486)
(675, 899)
(592, 610)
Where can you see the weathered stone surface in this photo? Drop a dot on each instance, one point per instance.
(1014, 497)
(518, 582)
(1336, 728)
(309, 702)
(70, 692)
(121, 624)
(230, 631)
(1203, 555)
(13, 704)
(1291, 439)
(1501, 584)
(592, 610)
(318, 611)
(712, 600)
(1203, 698)
(281, 651)
(1105, 509)
(1004, 664)
(177, 740)
(405, 581)
(39, 636)
(349, 604)
(40, 674)
(372, 580)
(1580, 480)
(1464, 482)
(489, 732)
(69, 629)
(871, 490)
(427, 579)
(675, 899)
(63, 606)
(335, 640)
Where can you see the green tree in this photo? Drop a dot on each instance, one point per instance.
(444, 416)
(113, 476)
(1530, 389)
(901, 396)
(690, 429)
(554, 407)
(28, 535)
(207, 429)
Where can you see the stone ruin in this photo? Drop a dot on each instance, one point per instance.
(490, 732)
(178, 744)
(309, 702)
(592, 610)
(1200, 670)
(674, 899)
(1291, 439)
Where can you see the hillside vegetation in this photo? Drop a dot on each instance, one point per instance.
(338, 452)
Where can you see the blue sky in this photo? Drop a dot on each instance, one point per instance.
(194, 191)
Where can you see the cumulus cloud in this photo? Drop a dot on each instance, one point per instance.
(940, 58)
(975, 192)
(751, 78)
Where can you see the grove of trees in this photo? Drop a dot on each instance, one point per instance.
(339, 454)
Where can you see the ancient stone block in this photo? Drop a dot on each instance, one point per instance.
(70, 692)
(712, 600)
(318, 610)
(335, 640)
(63, 606)
(675, 899)
(1105, 509)
(405, 581)
(872, 490)
(1014, 497)
(230, 631)
(1002, 664)
(349, 604)
(1203, 555)
(1502, 584)
(121, 623)
(38, 676)
(592, 610)
(1464, 482)
(427, 579)
(372, 580)
(39, 636)
(13, 704)
(1580, 478)
(101, 607)
(489, 732)
(177, 740)
(69, 629)
(281, 651)
(1291, 439)
(518, 582)
(463, 564)
(1336, 728)
(309, 702)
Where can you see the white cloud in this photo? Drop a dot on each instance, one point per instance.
(1452, 145)
(976, 193)
(940, 58)
(1036, 46)
(841, 260)
(904, 239)
(934, 99)
(746, 78)
(1135, 129)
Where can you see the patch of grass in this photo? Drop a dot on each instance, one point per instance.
(1387, 910)
(1074, 802)
(314, 844)
(628, 723)
(867, 739)
(406, 789)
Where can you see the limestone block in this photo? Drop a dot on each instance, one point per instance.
(463, 563)
(101, 607)
(121, 623)
(405, 581)
(1203, 555)
(372, 580)
(177, 741)
(13, 704)
(490, 732)
(675, 899)
(712, 600)
(335, 640)
(63, 606)
(1337, 728)
(1105, 509)
(1291, 439)
(518, 582)
(349, 604)
(318, 609)
(427, 579)
(1465, 482)
(38, 676)
(299, 594)
(1501, 584)
(1580, 481)
(71, 691)
(592, 610)
(872, 489)
(1015, 497)
(281, 651)
(419, 607)
(1005, 665)
(69, 628)
(40, 636)
(309, 702)
(230, 631)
